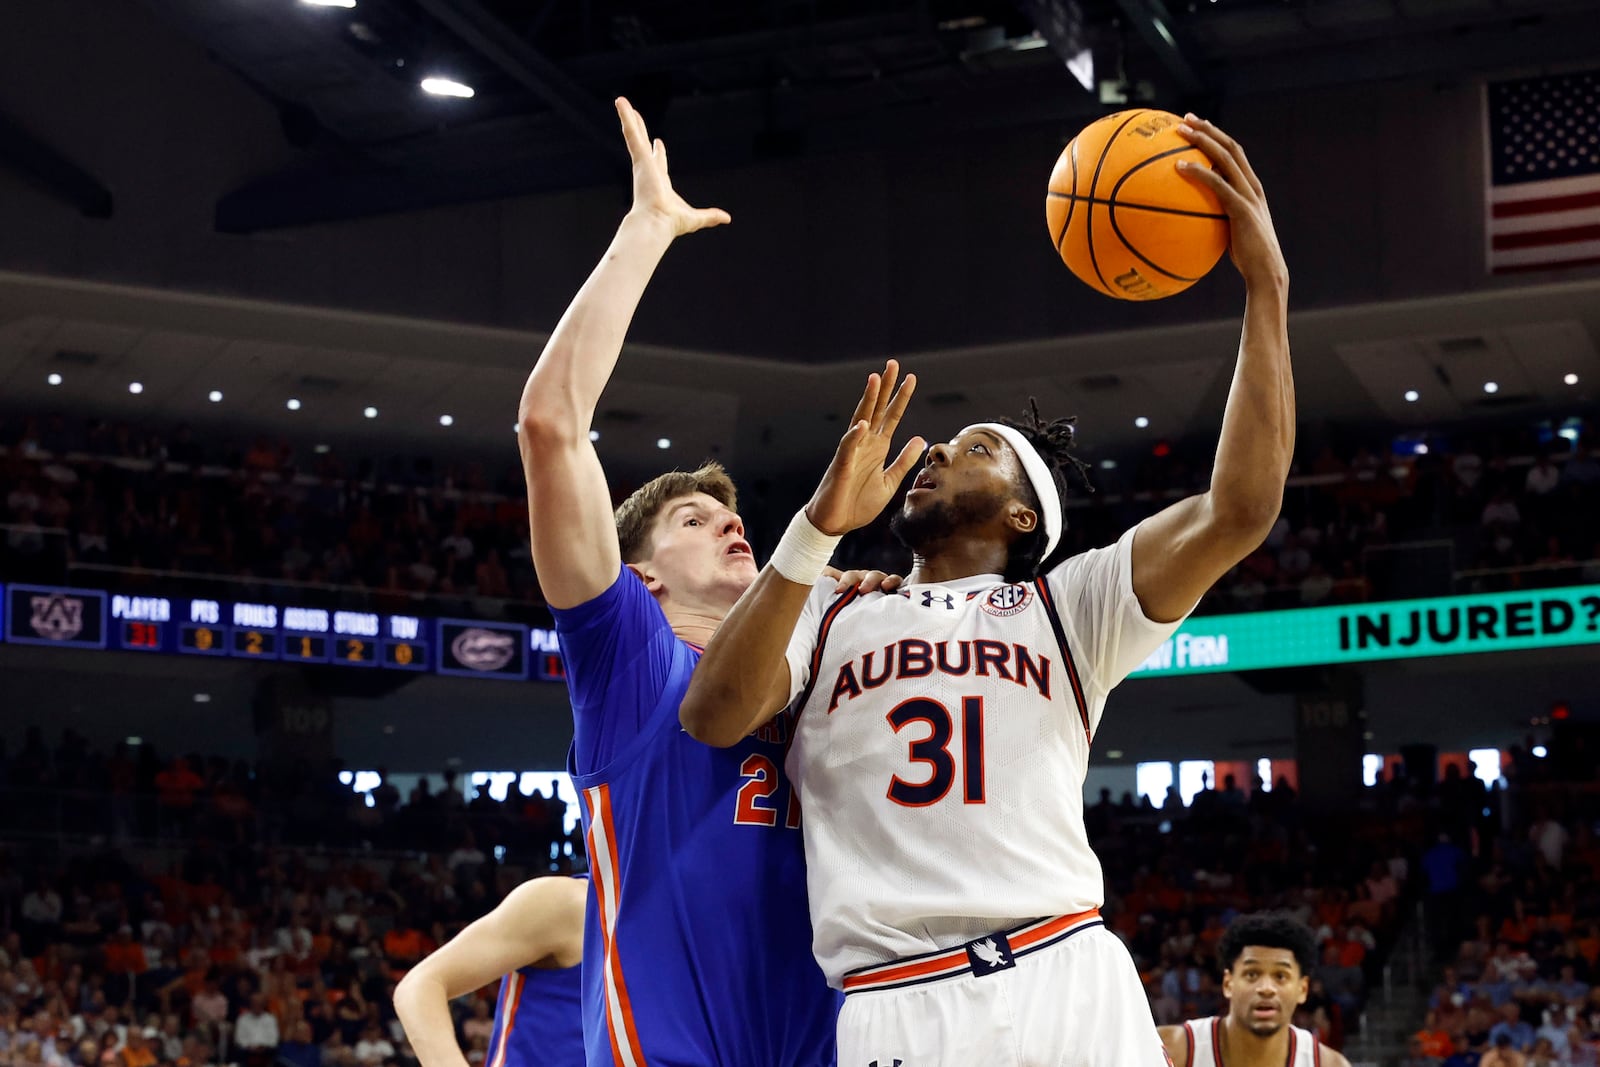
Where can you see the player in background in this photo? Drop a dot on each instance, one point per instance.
(533, 942)
(1266, 963)
(697, 947)
(943, 732)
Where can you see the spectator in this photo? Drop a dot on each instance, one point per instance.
(256, 1031)
(1503, 1054)
(374, 1049)
(300, 1050)
(1511, 1027)
(1432, 1041)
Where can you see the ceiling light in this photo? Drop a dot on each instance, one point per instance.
(1422, 450)
(1108, 464)
(134, 741)
(1569, 433)
(293, 404)
(330, 3)
(594, 435)
(370, 413)
(1141, 422)
(1491, 387)
(54, 379)
(321, 450)
(447, 420)
(202, 698)
(663, 442)
(215, 396)
(1115, 753)
(1412, 396)
(135, 388)
(446, 87)
(515, 428)
(1571, 379)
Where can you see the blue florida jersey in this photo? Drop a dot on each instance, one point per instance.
(538, 1019)
(697, 948)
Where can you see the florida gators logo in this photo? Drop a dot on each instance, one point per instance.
(1007, 600)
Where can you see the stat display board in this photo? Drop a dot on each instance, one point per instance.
(475, 648)
(65, 617)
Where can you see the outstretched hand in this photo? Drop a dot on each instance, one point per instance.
(857, 485)
(1254, 247)
(652, 185)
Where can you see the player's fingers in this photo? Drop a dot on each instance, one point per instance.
(898, 404)
(869, 399)
(891, 373)
(1221, 159)
(638, 147)
(891, 582)
(869, 581)
(704, 217)
(1232, 200)
(661, 152)
(1234, 148)
(908, 458)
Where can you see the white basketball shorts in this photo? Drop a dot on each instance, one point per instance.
(1055, 993)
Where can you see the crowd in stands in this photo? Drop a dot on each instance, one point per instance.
(1516, 920)
(1176, 877)
(205, 936)
(203, 921)
(134, 793)
(81, 494)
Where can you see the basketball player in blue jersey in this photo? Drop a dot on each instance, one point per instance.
(1266, 962)
(942, 733)
(533, 943)
(697, 947)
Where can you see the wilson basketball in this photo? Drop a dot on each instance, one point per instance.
(1123, 218)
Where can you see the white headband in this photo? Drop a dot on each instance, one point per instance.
(1038, 472)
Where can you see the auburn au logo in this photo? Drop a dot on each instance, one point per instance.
(1007, 600)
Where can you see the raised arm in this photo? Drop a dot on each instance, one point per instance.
(569, 507)
(742, 680)
(1180, 552)
(539, 924)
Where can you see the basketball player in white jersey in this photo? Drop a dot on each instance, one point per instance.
(1266, 962)
(943, 730)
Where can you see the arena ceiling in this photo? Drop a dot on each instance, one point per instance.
(737, 81)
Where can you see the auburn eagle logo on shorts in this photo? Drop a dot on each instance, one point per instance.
(1007, 600)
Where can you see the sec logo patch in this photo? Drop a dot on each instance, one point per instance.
(1007, 600)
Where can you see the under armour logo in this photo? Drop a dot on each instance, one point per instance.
(896, 1063)
(991, 954)
(947, 599)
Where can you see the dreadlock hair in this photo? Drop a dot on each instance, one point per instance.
(1054, 442)
(1268, 930)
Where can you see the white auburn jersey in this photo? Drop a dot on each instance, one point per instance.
(1205, 1045)
(940, 747)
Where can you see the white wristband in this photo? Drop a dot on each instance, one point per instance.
(803, 551)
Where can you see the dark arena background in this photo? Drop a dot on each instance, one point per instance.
(281, 705)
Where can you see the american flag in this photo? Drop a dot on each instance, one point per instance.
(1543, 198)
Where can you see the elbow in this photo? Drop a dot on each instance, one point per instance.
(1247, 518)
(543, 428)
(700, 721)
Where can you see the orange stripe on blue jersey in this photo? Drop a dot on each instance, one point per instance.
(510, 995)
(607, 878)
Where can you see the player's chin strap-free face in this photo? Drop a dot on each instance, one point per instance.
(1038, 472)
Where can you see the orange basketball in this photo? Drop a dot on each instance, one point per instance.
(1121, 215)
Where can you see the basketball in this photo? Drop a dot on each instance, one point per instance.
(1122, 217)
